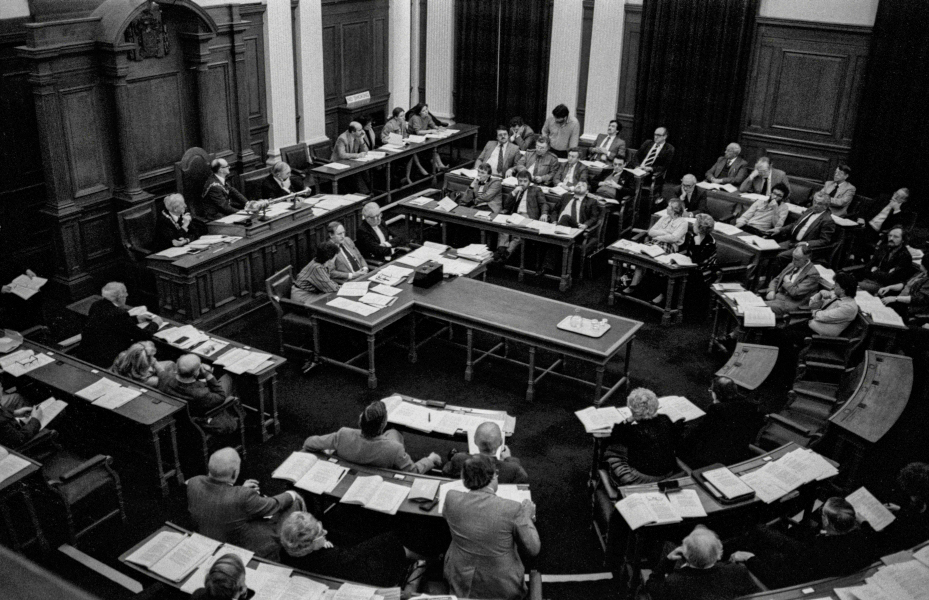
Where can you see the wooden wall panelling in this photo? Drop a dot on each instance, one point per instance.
(587, 24)
(422, 51)
(803, 95)
(253, 37)
(628, 71)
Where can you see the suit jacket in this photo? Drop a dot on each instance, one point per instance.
(818, 234)
(839, 204)
(831, 317)
(662, 161)
(482, 560)
(788, 295)
(346, 143)
(905, 218)
(759, 186)
(722, 581)
(626, 182)
(890, 266)
(385, 451)
(722, 435)
(219, 199)
(167, 229)
(270, 188)
(343, 269)
(617, 147)
(379, 561)
(735, 174)
(509, 470)
(201, 395)
(521, 138)
(697, 203)
(235, 514)
(394, 125)
(589, 213)
(510, 156)
(108, 331)
(489, 193)
(536, 206)
(546, 165)
(580, 174)
(14, 433)
(368, 242)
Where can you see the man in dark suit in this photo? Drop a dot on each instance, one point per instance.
(783, 558)
(571, 172)
(724, 433)
(763, 179)
(655, 156)
(374, 239)
(891, 263)
(693, 197)
(489, 442)
(541, 163)
(526, 200)
(880, 215)
(485, 192)
(110, 329)
(219, 198)
(173, 225)
(575, 210)
(729, 168)
(693, 571)
(281, 182)
(194, 382)
(815, 228)
(235, 514)
(500, 155)
(609, 144)
(618, 184)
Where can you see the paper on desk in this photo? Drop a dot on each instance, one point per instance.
(679, 408)
(744, 298)
(322, 477)
(827, 275)
(565, 230)
(11, 465)
(377, 300)
(412, 260)
(353, 306)
(337, 166)
(447, 204)
(599, 419)
(547, 228)
(184, 558)
(870, 509)
(767, 489)
(421, 201)
(394, 139)
(351, 591)
(416, 139)
(274, 571)
(758, 316)
(637, 171)
(414, 416)
(152, 551)
(726, 228)
(353, 288)
(386, 290)
(727, 483)
(233, 218)
(760, 242)
(886, 316)
(687, 503)
(27, 363)
(501, 219)
(510, 181)
(25, 287)
(391, 275)
(172, 252)
(116, 397)
(512, 492)
(98, 389)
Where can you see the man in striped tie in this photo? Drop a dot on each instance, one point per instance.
(655, 156)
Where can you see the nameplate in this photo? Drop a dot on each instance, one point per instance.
(358, 98)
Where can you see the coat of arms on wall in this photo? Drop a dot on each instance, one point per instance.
(149, 34)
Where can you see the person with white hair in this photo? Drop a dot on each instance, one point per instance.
(173, 225)
(729, 168)
(642, 449)
(693, 197)
(374, 239)
(110, 328)
(692, 571)
(281, 182)
(238, 514)
(489, 441)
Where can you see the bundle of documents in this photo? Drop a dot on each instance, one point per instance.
(887, 316)
(826, 274)
(108, 394)
(758, 316)
(600, 420)
(424, 490)
(10, 464)
(637, 172)
(377, 300)
(647, 508)
(354, 289)
(26, 287)
(726, 187)
(337, 166)
(240, 360)
(446, 204)
(22, 361)
(906, 579)
(359, 308)
(628, 246)
(778, 478)
(374, 493)
(754, 197)
(49, 409)
(416, 139)
(870, 509)
(184, 337)
(761, 243)
(726, 228)
(456, 267)
(173, 555)
(308, 472)
(447, 422)
(475, 252)
(469, 173)
(391, 275)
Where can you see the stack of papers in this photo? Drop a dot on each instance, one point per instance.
(456, 267)
(728, 187)
(374, 493)
(446, 204)
(49, 409)
(108, 394)
(761, 242)
(647, 508)
(26, 287)
(308, 472)
(240, 360)
(745, 298)
(600, 420)
(475, 252)
(778, 478)
(354, 289)
(469, 173)
(22, 361)
(726, 228)
(886, 316)
(173, 555)
(359, 308)
(416, 139)
(336, 166)
(826, 274)
(758, 316)
(390, 275)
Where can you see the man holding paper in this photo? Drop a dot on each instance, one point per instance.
(110, 329)
(795, 284)
(371, 445)
(489, 441)
(18, 424)
(235, 514)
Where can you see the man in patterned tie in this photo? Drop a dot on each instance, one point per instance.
(764, 178)
(655, 156)
(572, 172)
(501, 154)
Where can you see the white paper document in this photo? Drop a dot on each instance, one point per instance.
(116, 397)
(358, 308)
(386, 290)
(50, 409)
(353, 288)
(295, 466)
(759, 316)
(11, 465)
(322, 477)
(153, 550)
(648, 508)
(726, 483)
(337, 166)
(376, 494)
(679, 408)
(870, 509)
(687, 503)
(98, 389)
(185, 557)
(25, 287)
(726, 228)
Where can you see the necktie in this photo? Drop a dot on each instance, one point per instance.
(835, 190)
(500, 154)
(767, 191)
(725, 170)
(577, 211)
(652, 154)
(798, 228)
(351, 259)
(607, 142)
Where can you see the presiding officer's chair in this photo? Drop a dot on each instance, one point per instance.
(190, 174)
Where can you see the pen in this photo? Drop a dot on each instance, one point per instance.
(429, 416)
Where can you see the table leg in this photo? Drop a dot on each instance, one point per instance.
(261, 413)
(335, 186)
(522, 261)
(614, 280)
(598, 384)
(530, 390)
(469, 364)
(389, 192)
(316, 352)
(626, 363)
(159, 466)
(566, 256)
(372, 378)
(277, 422)
(668, 302)
(412, 355)
(680, 300)
(435, 169)
(444, 233)
(713, 332)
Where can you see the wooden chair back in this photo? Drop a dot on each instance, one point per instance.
(190, 174)
(137, 229)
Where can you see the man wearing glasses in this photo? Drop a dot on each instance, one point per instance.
(374, 239)
(655, 156)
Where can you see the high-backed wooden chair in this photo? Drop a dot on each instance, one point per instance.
(137, 229)
(595, 241)
(206, 439)
(251, 182)
(292, 317)
(190, 174)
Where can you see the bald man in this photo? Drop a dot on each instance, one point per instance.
(110, 329)
(219, 198)
(693, 197)
(350, 145)
(692, 571)
(237, 514)
(729, 168)
(489, 441)
(194, 382)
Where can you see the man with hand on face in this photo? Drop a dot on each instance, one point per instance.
(489, 441)
(572, 172)
(766, 216)
(541, 163)
(618, 184)
(693, 197)
(526, 200)
(485, 191)
(280, 182)
(500, 155)
(172, 225)
(891, 263)
(763, 179)
(840, 191)
(194, 382)
(350, 145)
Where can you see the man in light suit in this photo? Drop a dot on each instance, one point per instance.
(795, 284)
(655, 156)
(500, 155)
(349, 263)
(729, 168)
(764, 178)
(834, 310)
(609, 144)
(541, 164)
(351, 145)
(693, 197)
(235, 514)
(840, 191)
(482, 560)
(572, 172)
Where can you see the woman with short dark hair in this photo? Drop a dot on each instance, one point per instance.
(315, 278)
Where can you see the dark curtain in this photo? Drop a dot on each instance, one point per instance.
(890, 143)
(692, 78)
(525, 44)
(476, 52)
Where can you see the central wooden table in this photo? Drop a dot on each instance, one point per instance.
(499, 311)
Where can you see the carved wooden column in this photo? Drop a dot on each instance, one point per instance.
(246, 156)
(129, 191)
